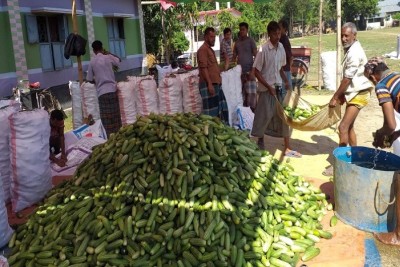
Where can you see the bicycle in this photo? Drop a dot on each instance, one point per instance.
(299, 70)
(300, 66)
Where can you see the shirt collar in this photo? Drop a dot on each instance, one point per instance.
(385, 73)
(270, 45)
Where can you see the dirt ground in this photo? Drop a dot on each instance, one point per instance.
(317, 148)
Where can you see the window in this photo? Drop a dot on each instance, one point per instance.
(200, 34)
(116, 37)
(52, 31)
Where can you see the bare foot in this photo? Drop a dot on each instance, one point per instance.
(391, 238)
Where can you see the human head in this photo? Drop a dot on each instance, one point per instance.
(284, 26)
(174, 64)
(227, 33)
(274, 32)
(374, 68)
(349, 34)
(57, 118)
(243, 29)
(209, 36)
(97, 46)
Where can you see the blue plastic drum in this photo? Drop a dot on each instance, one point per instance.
(364, 191)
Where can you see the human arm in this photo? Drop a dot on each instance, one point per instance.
(254, 48)
(235, 55)
(62, 144)
(350, 68)
(56, 160)
(284, 78)
(338, 96)
(261, 80)
(387, 132)
(225, 55)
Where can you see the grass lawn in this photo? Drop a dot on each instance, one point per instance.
(68, 121)
(374, 42)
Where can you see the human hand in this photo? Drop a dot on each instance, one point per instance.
(211, 90)
(271, 90)
(333, 102)
(60, 162)
(64, 157)
(381, 140)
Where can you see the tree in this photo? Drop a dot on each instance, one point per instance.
(358, 11)
(179, 42)
(176, 20)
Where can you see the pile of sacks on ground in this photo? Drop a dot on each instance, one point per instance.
(176, 92)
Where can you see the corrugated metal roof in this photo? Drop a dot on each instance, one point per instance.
(388, 6)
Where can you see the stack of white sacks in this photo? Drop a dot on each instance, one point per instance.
(139, 95)
(25, 175)
(176, 93)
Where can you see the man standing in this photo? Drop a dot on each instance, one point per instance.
(226, 49)
(214, 102)
(268, 68)
(288, 50)
(354, 89)
(244, 52)
(387, 89)
(101, 72)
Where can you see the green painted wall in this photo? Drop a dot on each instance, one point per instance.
(133, 44)
(132, 34)
(100, 31)
(7, 63)
(32, 51)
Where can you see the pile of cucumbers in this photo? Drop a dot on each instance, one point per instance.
(301, 114)
(182, 190)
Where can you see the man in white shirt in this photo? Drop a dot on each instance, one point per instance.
(268, 68)
(354, 89)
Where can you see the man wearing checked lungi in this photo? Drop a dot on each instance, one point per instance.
(214, 102)
(101, 71)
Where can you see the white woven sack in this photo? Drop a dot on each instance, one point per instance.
(244, 118)
(232, 87)
(146, 97)
(5, 229)
(76, 96)
(170, 95)
(328, 63)
(192, 101)
(30, 151)
(162, 71)
(90, 102)
(4, 103)
(126, 99)
(5, 164)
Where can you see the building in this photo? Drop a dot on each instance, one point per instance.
(196, 37)
(33, 35)
(384, 18)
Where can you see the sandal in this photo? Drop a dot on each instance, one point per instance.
(293, 154)
(328, 171)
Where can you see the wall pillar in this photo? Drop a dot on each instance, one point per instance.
(142, 37)
(21, 67)
(89, 24)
